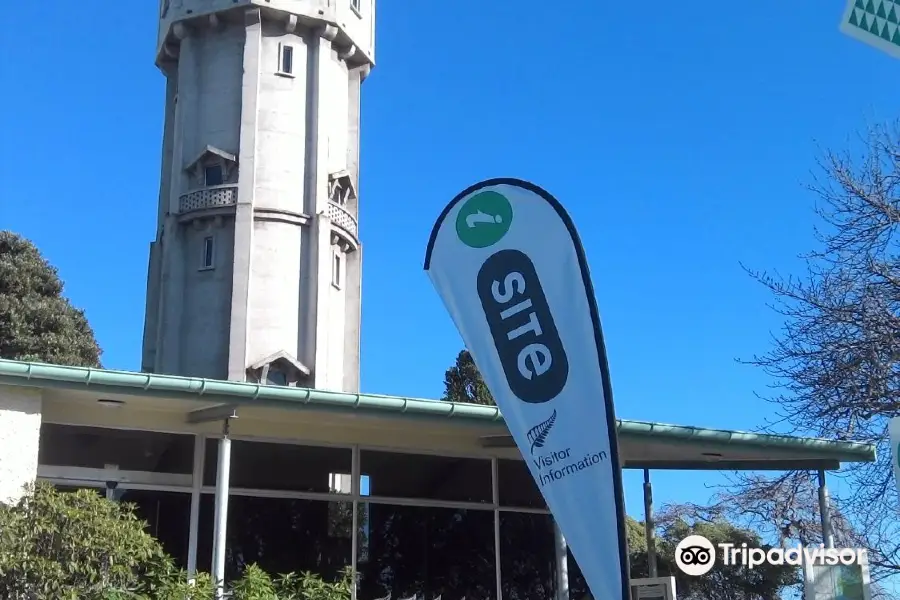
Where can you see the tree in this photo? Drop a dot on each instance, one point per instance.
(463, 382)
(836, 361)
(37, 323)
(723, 582)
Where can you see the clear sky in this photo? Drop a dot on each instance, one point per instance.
(678, 134)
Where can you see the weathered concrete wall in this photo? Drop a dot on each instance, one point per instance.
(20, 429)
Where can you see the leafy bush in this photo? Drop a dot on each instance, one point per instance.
(80, 546)
(257, 585)
(76, 545)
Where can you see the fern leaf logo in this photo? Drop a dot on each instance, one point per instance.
(537, 435)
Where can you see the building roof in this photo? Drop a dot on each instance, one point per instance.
(211, 151)
(643, 444)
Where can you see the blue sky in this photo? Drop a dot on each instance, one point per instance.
(678, 134)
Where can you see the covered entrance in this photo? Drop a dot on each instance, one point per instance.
(413, 496)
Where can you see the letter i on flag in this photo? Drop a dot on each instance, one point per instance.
(507, 262)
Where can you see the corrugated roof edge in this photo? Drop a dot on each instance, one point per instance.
(149, 384)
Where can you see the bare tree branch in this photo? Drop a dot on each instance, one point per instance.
(836, 361)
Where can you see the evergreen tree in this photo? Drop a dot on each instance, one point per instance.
(463, 382)
(37, 323)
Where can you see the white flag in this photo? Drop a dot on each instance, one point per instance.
(506, 260)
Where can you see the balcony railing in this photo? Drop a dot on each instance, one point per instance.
(341, 217)
(212, 197)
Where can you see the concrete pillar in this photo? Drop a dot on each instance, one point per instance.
(243, 215)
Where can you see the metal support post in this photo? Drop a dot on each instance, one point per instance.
(196, 492)
(223, 472)
(111, 483)
(825, 512)
(562, 564)
(648, 524)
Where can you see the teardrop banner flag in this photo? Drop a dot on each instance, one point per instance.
(506, 260)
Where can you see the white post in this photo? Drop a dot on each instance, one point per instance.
(223, 472)
(825, 512)
(197, 486)
(562, 564)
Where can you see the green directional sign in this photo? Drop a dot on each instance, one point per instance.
(874, 22)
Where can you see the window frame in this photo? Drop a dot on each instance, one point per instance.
(285, 50)
(214, 167)
(338, 269)
(208, 258)
(198, 490)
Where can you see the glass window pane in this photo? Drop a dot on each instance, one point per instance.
(213, 175)
(168, 518)
(517, 486)
(276, 377)
(429, 553)
(208, 251)
(280, 535)
(270, 466)
(287, 59)
(527, 556)
(399, 475)
(167, 515)
(94, 447)
(577, 585)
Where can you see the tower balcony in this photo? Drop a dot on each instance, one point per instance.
(342, 217)
(217, 196)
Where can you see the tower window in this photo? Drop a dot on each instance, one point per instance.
(276, 377)
(354, 4)
(286, 59)
(209, 252)
(213, 175)
(337, 270)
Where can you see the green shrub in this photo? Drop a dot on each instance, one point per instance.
(80, 546)
(62, 546)
(255, 584)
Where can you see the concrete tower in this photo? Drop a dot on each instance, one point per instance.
(255, 271)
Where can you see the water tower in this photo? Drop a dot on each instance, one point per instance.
(255, 271)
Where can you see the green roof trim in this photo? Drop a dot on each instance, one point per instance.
(149, 384)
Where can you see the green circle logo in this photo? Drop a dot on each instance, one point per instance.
(483, 220)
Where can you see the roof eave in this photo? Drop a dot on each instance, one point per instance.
(211, 390)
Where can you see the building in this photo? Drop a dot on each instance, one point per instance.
(245, 439)
(441, 504)
(255, 270)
